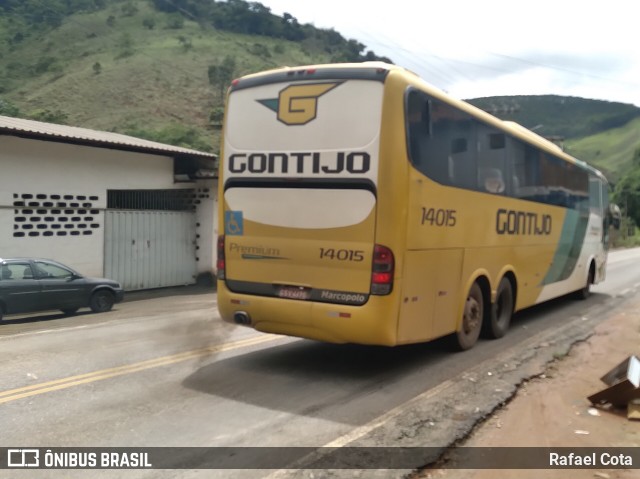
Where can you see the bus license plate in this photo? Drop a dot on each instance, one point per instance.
(294, 292)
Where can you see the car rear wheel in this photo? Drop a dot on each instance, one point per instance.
(1, 311)
(102, 301)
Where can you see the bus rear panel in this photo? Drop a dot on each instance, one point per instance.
(298, 204)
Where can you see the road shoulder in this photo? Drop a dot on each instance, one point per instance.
(552, 410)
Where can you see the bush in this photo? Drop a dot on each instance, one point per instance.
(149, 23)
(129, 9)
(260, 50)
(50, 116)
(216, 116)
(173, 134)
(46, 64)
(8, 109)
(627, 194)
(175, 21)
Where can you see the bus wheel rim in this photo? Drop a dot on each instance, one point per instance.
(472, 315)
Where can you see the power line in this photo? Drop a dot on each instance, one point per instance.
(562, 69)
(410, 52)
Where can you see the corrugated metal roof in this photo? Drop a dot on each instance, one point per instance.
(73, 134)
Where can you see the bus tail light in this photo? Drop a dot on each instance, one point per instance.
(220, 263)
(382, 270)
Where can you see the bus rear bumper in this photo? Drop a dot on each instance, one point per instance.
(373, 323)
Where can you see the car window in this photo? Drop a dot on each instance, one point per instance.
(48, 270)
(13, 271)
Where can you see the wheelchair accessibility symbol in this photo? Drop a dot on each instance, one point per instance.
(233, 225)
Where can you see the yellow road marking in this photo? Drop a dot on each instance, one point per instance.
(55, 385)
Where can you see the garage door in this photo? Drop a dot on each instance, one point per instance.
(150, 249)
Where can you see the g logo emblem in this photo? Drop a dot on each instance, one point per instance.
(298, 104)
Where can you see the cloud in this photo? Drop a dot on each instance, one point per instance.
(494, 47)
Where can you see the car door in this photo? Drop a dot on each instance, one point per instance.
(61, 287)
(19, 288)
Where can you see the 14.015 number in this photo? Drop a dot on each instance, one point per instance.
(438, 217)
(341, 254)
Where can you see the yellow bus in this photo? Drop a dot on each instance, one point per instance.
(359, 204)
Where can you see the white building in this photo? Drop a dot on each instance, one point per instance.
(110, 205)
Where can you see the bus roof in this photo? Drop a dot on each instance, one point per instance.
(379, 71)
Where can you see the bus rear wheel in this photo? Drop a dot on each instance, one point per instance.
(585, 292)
(472, 318)
(501, 312)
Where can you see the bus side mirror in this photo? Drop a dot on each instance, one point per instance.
(615, 215)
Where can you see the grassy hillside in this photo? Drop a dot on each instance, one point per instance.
(143, 67)
(611, 151)
(551, 115)
(131, 68)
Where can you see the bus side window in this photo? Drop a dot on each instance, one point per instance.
(418, 129)
(491, 160)
(491, 180)
(515, 166)
(457, 161)
(428, 148)
(440, 141)
(459, 129)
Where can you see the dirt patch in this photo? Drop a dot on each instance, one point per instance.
(552, 409)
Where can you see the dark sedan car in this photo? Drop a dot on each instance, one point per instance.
(30, 284)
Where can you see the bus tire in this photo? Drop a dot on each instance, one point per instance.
(472, 318)
(501, 311)
(585, 292)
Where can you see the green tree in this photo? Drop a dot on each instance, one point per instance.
(17, 38)
(635, 161)
(260, 50)
(216, 116)
(45, 64)
(172, 134)
(175, 21)
(627, 194)
(149, 23)
(185, 42)
(8, 109)
(220, 75)
(125, 45)
(50, 116)
(129, 9)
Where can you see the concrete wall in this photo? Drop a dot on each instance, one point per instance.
(207, 224)
(78, 177)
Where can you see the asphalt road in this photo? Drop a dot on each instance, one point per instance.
(163, 370)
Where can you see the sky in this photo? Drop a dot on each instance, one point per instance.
(478, 48)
